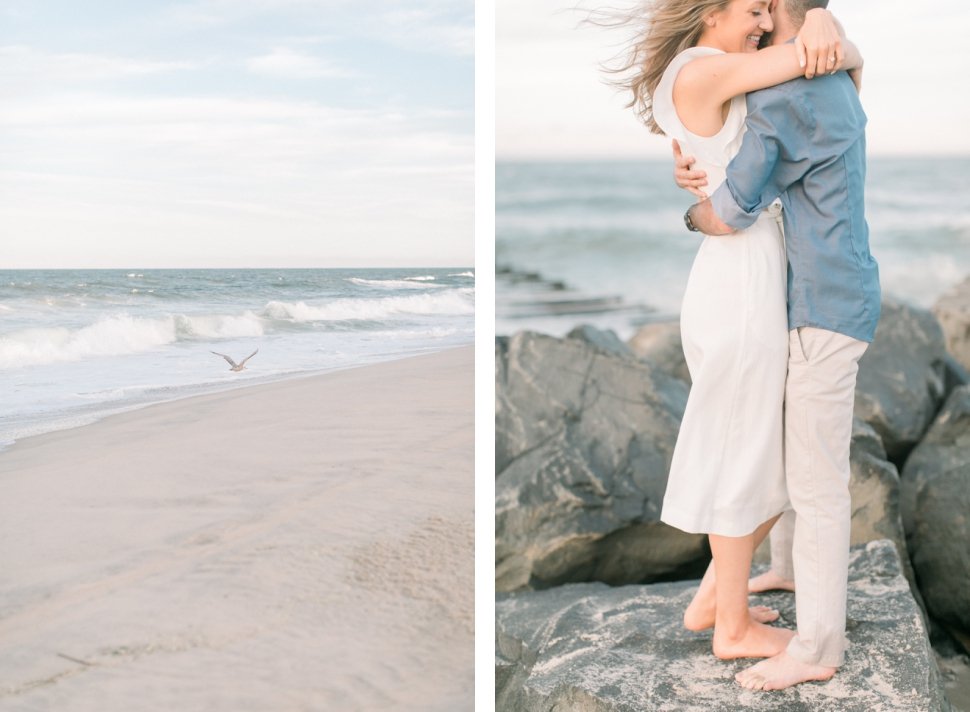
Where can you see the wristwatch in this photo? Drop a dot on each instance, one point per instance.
(690, 223)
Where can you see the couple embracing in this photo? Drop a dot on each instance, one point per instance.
(778, 133)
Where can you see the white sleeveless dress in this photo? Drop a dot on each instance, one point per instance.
(727, 475)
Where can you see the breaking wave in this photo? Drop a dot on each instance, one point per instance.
(106, 337)
(120, 334)
(456, 301)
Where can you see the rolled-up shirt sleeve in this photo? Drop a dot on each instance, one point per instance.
(765, 165)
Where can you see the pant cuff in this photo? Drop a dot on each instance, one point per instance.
(797, 651)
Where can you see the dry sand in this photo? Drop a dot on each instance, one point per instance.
(303, 545)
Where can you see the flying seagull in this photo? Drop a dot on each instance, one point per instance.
(233, 366)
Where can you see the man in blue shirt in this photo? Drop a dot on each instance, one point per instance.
(805, 144)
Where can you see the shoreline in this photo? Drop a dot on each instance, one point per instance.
(208, 389)
(301, 542)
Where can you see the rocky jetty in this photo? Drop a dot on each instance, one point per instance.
(585, 428)
(594, 648)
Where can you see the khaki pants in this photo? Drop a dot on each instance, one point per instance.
(819, 399)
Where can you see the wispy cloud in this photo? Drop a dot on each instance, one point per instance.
(427, 26)
(285, 63)
(174, 171)
(429, 29)
(19, 63)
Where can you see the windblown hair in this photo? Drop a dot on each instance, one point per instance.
(797, 9)
(663, 29)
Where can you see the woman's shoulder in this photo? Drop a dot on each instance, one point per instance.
(694, 52)
(663, 97)
(682, 61)
(695, 64)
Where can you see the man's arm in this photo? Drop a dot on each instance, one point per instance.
(776, 152)
(704, 218)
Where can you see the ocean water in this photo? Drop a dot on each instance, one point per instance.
(605, 244)
(76, 345)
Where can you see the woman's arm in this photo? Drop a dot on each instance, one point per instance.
(856, 75)
(819, 43)
(711, 81)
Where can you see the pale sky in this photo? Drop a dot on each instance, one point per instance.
(211, 133)
(551, 102)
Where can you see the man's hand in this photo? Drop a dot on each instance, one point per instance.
(684, 176)
(706, 220)
(819, 43)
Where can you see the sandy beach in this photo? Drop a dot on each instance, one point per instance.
(300, 545)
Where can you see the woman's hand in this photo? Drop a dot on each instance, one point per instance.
(819, 43)
(684, 176)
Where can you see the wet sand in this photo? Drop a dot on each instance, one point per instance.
(301, 545)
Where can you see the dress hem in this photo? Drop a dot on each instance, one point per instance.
(716, 524)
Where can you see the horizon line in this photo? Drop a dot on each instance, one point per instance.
(49, 269)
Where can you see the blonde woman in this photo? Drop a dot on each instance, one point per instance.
(691, 68)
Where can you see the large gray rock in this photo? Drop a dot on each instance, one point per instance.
(659, 344)
(901, 383)
(584, 440)
(936, 514)
(591, 648)
(605, 341)
(953, 311)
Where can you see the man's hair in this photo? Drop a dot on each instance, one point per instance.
(797, 9)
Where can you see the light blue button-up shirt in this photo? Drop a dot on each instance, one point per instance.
(806, 143)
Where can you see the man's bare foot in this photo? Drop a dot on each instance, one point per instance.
(700, 616)
(757, 641)
(781, 671)
(769, 581)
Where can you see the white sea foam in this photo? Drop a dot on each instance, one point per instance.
(108, 336)
(119, 335)
(463, 274)
(219, 326)
(455, 301)
(395, 283)
(425, 278)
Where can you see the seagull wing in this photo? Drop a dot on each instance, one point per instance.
(231, 362)
(243, 362)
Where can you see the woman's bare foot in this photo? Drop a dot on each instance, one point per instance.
(769, 581)
(700, 612)
(757, 641)
(781, 671)
(700, 616)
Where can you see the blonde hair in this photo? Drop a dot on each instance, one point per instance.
(663, 29)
